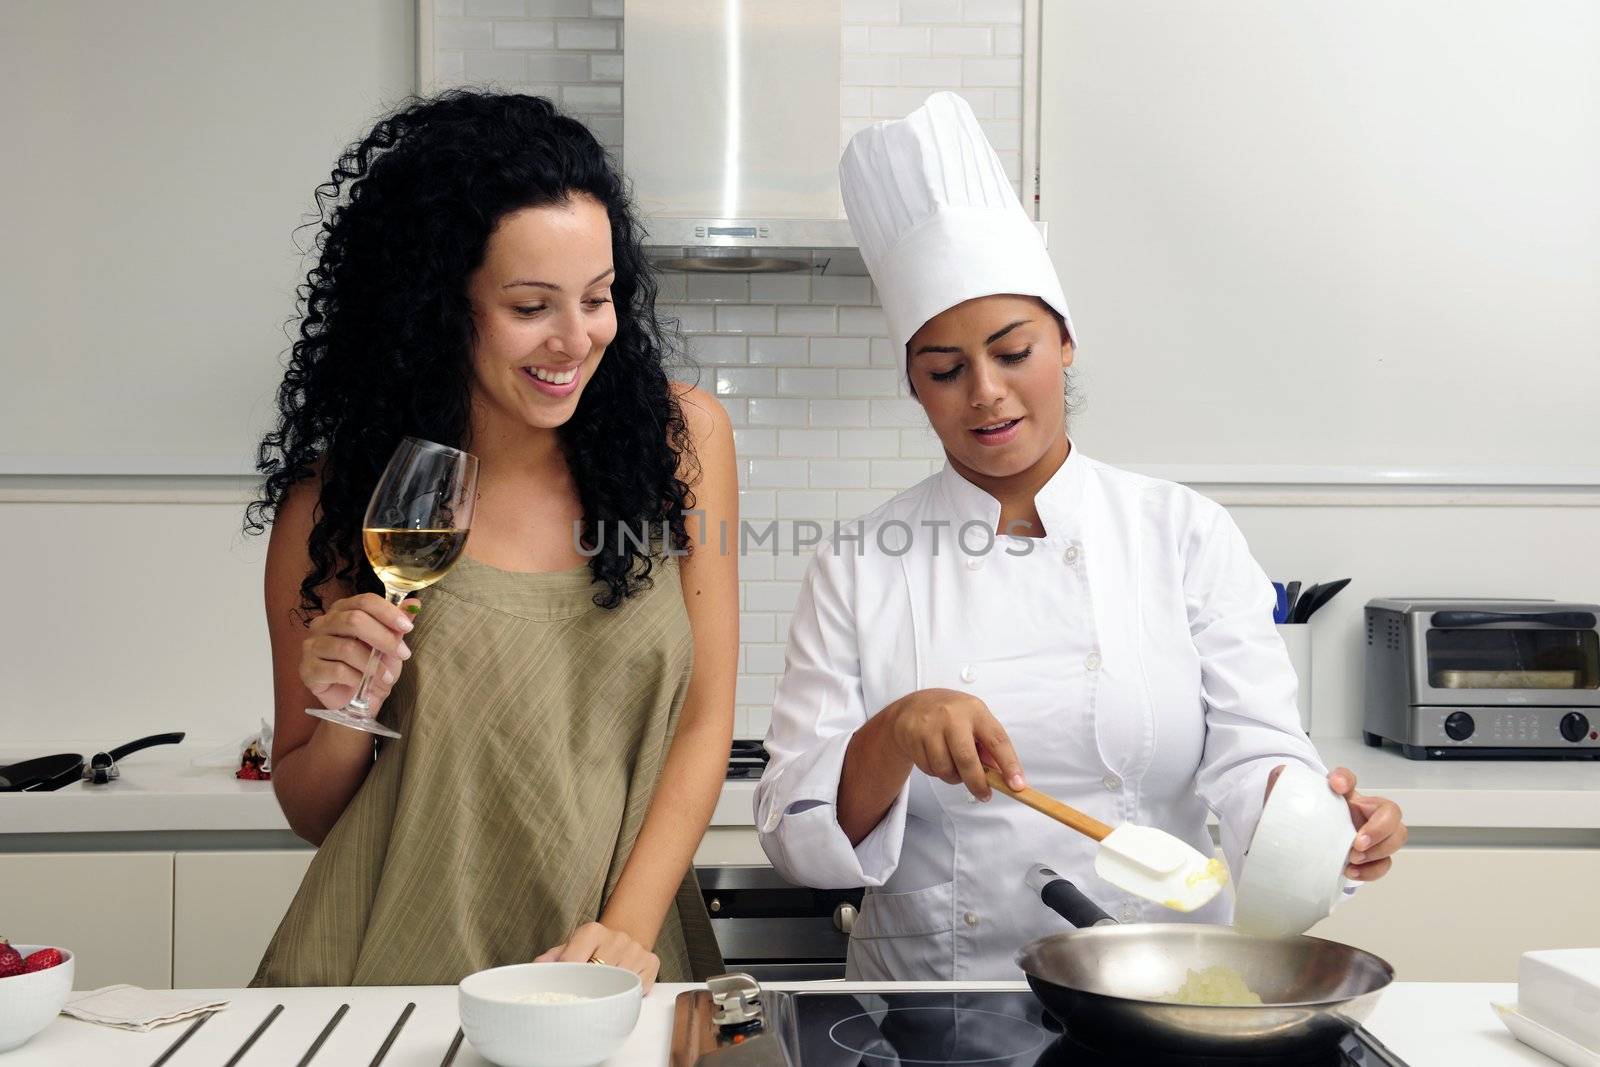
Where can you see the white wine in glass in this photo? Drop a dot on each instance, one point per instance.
(415, 530)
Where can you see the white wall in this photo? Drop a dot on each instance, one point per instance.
(166, 633)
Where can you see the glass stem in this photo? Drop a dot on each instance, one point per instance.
(361, 702)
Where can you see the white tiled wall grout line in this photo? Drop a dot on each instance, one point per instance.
(822, 423)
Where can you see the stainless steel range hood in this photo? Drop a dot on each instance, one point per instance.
(730, 133)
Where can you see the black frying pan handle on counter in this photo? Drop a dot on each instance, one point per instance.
(1567, 620)
(1066, 899)
(99, 771)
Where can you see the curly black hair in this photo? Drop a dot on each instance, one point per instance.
(386, 334)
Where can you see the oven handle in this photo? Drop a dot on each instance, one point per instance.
(1566, 620)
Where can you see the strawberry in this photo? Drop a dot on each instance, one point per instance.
(42, 960)
(10, 960)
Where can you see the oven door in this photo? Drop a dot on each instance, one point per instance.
(775, 931)
(1499, 658)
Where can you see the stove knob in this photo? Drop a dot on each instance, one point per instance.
(1574, 726)
(715, 905)
(1458, 725)
(844, 917)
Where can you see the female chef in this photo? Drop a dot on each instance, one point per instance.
(1027, 607)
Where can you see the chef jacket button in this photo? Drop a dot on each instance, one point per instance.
(968, 673)
(1092, 661)
(1111, 782)
(974, 563)
(971, 918)
(1072, 554)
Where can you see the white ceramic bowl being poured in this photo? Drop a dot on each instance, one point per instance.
(1294, 868)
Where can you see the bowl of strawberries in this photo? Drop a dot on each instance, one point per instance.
(34, 983)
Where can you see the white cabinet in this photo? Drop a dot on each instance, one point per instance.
(113, 910)
(226, 907)
(1466, 914)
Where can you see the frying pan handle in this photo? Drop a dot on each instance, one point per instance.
(143, 742)
(1066, 899)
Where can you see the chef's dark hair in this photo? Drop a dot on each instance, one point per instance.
(386, 332)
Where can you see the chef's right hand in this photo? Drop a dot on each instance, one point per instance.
(341, 641)
(951, 736)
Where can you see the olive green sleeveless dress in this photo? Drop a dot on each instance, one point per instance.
(535, 726)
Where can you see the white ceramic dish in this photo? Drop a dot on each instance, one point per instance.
(516, 1033)
(1558, 1047)
(1294, 868)
(29, 1002)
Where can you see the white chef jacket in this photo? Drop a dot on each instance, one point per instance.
(1130, 654)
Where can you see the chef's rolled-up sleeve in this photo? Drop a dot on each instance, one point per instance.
(817, 709)
(1247, 682)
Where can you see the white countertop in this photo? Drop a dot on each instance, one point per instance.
(1427, 1025)
(160, 790)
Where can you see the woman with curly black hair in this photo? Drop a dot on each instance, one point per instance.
(567, 715)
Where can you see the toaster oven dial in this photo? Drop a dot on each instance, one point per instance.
(1574, 726)
(1458, 725)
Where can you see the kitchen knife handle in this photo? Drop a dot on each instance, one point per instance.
(1566, 620)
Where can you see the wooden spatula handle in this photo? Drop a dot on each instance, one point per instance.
(1049, 805)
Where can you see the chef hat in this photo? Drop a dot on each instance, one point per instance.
(936, 218)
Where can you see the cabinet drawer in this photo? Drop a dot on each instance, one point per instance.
(227, 907)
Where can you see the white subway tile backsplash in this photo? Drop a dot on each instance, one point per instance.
(757, 503)
(790, 351)
(1004, 135)
(732, 288)
(896, 103)
(899, 413)
(756, 688)
(1008, 41)
(810, 443)
(841, 351)
(462, 34)
(607, 129)
(780, 288)
(899, 40)
(604, 98)
(898, 474)
(1007, 105)
(691, 318)
(746, 318)
(763, 658)
(756, 566)
(606, 9)
(806, 504)
(736, 409)
(562, 9)
(870, 444)
(981, 101)
(778, 474)
(773, 410)
(863, 321)
(913, 11)
(757, 721)
(671, 286)
(997, 72)
(449, 68)
(605, 68)
(841, 289)
(711, 348)
(772, 596)
(875, 382)
(756, 626)
(961, 41)
(495, 68)
(841, 413)
(753, 441)
(854, 503)
(871, 10)
(920, 444)
(840, 474)
(593, 35)
(853, 39)
(855, 101)
(884, 353)
(491, 8)
(939, 73)
(556, 68)
(744, 381)
(870, 70)
(801, 319)
(1006, 11)
(807, 383)
(448, 8)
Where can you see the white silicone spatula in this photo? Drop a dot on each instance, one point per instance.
(1141, 860)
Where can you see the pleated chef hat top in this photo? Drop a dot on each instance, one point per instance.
(936, 218)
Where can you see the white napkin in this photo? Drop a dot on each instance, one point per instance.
(130, 1008)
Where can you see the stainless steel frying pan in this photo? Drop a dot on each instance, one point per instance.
(1103, 982)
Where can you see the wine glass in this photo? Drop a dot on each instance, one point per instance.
(415, 529)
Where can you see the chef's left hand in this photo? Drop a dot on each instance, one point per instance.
(601, 944)
(1380, 830)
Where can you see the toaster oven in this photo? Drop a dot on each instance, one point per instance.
(1483, 679)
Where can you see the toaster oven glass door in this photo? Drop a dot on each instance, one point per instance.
(1494, 658)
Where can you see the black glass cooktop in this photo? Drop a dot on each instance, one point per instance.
(989, 1029)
